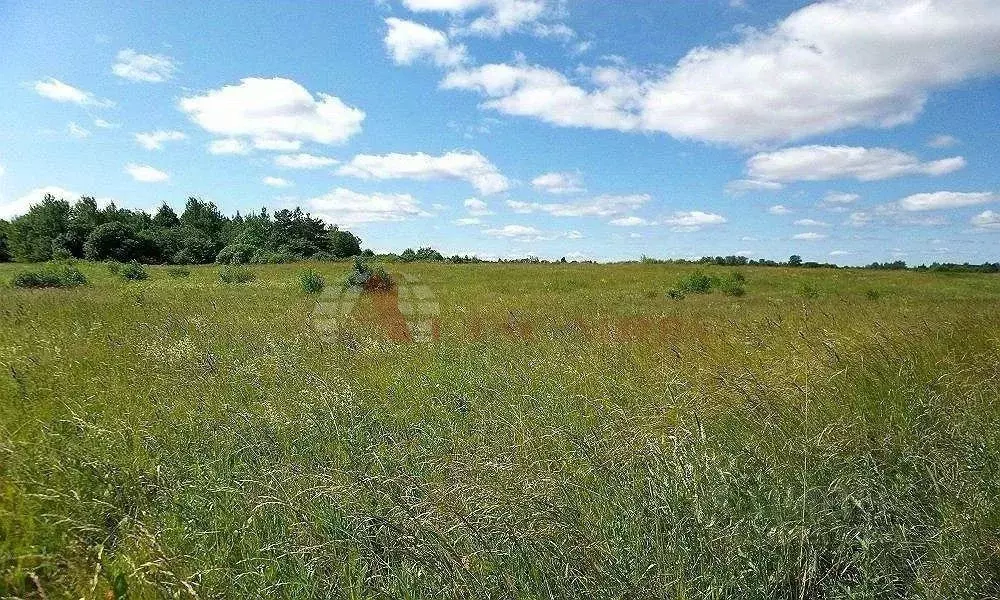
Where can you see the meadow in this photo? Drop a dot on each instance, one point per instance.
(571, 432)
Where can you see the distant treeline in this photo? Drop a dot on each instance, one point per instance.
(56, 229)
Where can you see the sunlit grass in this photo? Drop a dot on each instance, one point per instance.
(573, 432)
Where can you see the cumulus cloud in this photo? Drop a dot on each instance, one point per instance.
(693, 220)
(523, 232)
(346, 207)
(304, 161)
(779, 209)
(799, 78)
(228, 146)
(276, 182)
(559, 183)
(629, 222)
(545, 94)
(600, 206)
(819, 163)
(154, 140)
(14, 208)
(840, 198)
(150, 68)
(495, 17)
(146, 173)
(409, 42)
(465, 221)
(477, 207)
(272, 113)
(811, 223)
(742, 186)
(468, 166)
(942, 141)
(987, 219)
(809, 236)
(943, 200)
(53, 89)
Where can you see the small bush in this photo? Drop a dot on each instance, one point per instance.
(873, 295)
(696, 283)
(133, 271)
(51, 275)
(235, 254)
(675, 294)
(236, 274)
(178, 271)
(370, 279)
(312, 282)
(380, 281)
(733, 285)
(274, 258)
(114, 267)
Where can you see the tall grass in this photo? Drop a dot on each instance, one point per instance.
(570, 438)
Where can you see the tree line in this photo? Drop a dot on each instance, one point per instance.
(56, 229)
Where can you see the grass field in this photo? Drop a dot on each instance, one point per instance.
(571, 432)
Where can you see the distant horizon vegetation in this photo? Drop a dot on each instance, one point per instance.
(54, 229)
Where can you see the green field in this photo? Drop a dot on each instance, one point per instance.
(571, 432)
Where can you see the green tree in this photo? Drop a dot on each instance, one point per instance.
(33, 233)
(343, 243)
(112, 241)
(165, 217)
(795, 260)
(5, 228)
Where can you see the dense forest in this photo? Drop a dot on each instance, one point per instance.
(55, 229)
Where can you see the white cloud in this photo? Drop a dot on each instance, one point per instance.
(599, 206)
(874, 68)
(146, 173)
(693, 220)
(943, 200)
(840, 198)
(987, 219)
(469, 166)
(546, 94)
(278, 145)
(477, 207)
(818, 163)
(559, 183)
(629, 222)
(741, 186)
(53, 89)
(468, 221)
(811, 223)
(102, 124)
(514, 231)
(154, 140)
(840, 253)
(826, 67)
(304, 161)
(942, 141)
(77, 131)
(346, 207)
(809, 235)
(150, 68)
(496, 17)
(408, 42)
(779, 209)
(228, 146)
(273, 112)
(276, 182)
(859, 219)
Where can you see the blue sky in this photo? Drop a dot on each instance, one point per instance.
(844, 131)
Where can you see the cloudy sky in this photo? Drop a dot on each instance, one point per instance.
(844, 130)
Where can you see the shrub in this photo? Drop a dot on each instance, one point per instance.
(178, 271)
(380, 281)
(696, 283)
(113, 240)
(675, 294)
(370, 279)
(133, 271)
(235, 254)
(114, 267)
(809, 291)
(873, 294)
(733, 285)
(274, 258)
(50, 275)
(312, 282)
(236, 274)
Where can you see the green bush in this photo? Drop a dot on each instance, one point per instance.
(675, 294)
(236, 274)
(235, 254)
(133, 271)
(808, 291)
(114, 267)
(50, 275)
(733, 285)
(873, 294)
(312, 282)
(371, 279)
(178, 271)
(696, 283)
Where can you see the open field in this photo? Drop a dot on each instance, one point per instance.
(570, 432)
